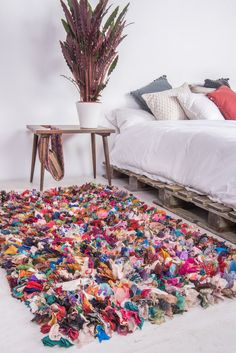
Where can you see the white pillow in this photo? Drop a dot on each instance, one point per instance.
(201, 89)
(199, 107)
(125, 117)
(165, 105)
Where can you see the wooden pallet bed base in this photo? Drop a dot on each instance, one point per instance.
(199, 209)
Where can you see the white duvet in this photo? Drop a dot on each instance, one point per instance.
(197, 154)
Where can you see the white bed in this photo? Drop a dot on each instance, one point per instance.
(197, 154)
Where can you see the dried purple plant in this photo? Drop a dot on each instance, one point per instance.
(90, 48)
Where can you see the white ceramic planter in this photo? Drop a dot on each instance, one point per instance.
(89, 114)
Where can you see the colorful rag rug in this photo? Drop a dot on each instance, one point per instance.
(93, 260)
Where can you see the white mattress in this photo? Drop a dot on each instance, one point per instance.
(200, 155)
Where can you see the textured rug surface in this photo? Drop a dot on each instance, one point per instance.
(90, 261)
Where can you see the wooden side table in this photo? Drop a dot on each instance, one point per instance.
(43, 131)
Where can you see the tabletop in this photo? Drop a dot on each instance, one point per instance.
(67, 129)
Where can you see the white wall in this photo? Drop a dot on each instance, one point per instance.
(189, 40)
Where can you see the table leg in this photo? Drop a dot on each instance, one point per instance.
(43, 151)
(42, 176)
(34, 153)
(107, 158)
(93, 142)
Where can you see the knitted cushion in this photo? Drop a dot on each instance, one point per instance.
(165, 105)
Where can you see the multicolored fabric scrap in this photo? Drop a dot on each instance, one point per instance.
(93, 260)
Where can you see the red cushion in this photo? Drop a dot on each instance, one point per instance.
(225, 99)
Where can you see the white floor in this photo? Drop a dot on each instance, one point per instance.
(198, 331)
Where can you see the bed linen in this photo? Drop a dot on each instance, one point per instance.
(200, 155)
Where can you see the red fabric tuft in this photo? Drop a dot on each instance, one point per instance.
(225, 99)
(45, 328)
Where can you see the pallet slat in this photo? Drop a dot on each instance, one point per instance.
(233, 215)
(186, 195)
(202, 200)
(219, 207)
(174, 188)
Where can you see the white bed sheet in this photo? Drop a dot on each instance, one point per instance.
(197, 154)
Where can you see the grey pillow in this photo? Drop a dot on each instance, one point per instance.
(159, 85)
(217, 83)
